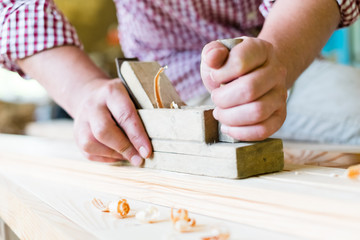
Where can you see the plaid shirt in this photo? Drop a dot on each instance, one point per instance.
(171, 32)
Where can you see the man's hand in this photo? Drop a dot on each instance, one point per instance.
(107, 126)
(247, 86)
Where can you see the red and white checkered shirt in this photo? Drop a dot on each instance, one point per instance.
(171, 32)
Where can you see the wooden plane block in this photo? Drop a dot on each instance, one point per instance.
(139, 78)
(227, 160)
(188, 124)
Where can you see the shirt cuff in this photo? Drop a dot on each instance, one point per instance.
(29, 27)
(349, 10)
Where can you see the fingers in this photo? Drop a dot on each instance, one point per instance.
(213, 56)
(253, 112)
(243, 58)
(106, 131)
(248, 88)
(93, 149)
(108, 127)
(125, 115)
(258, 131)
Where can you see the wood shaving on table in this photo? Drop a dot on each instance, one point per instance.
(353, 172)
(118, 207)
(181, 220)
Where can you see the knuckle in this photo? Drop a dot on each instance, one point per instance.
(110, 88)
(86, 144)
(125, 148)
(125, 115)
(258, 112)
(242, 62)
(134, 138)
(268, 46)
(248, 92)
(265, 46)
(100, 131)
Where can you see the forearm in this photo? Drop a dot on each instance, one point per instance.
(65, 72)
(298, 29)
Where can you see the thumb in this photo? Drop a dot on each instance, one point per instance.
(213, 56)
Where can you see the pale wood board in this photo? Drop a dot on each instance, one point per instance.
(329, 155)
(240, 209)
(74, 203)
(31, 218)
(218, 159)
(139, 77)
(294, 152)
(189, 124)
(327, 207)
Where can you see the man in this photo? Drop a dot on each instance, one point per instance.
(254, 76)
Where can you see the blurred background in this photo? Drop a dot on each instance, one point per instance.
(22, 101)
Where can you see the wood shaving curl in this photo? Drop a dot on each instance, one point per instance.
(181, 220)
(353, 172)
(158, 100)
(119, 207)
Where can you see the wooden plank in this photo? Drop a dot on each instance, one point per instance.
(218, 159)
(30, 218)
(278, 204)
(2, 230)
(139, 77)
(321, 216)
(328, 155)
(74, 203)
(189, 124)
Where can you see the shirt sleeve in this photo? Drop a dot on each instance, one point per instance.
(31, 26)
(349, 10)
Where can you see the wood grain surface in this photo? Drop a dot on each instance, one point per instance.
(189, 124)
(327, 155)
(321, 200)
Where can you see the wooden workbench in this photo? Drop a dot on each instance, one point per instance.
(46, 187)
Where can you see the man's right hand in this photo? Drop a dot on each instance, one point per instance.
(107, 126)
